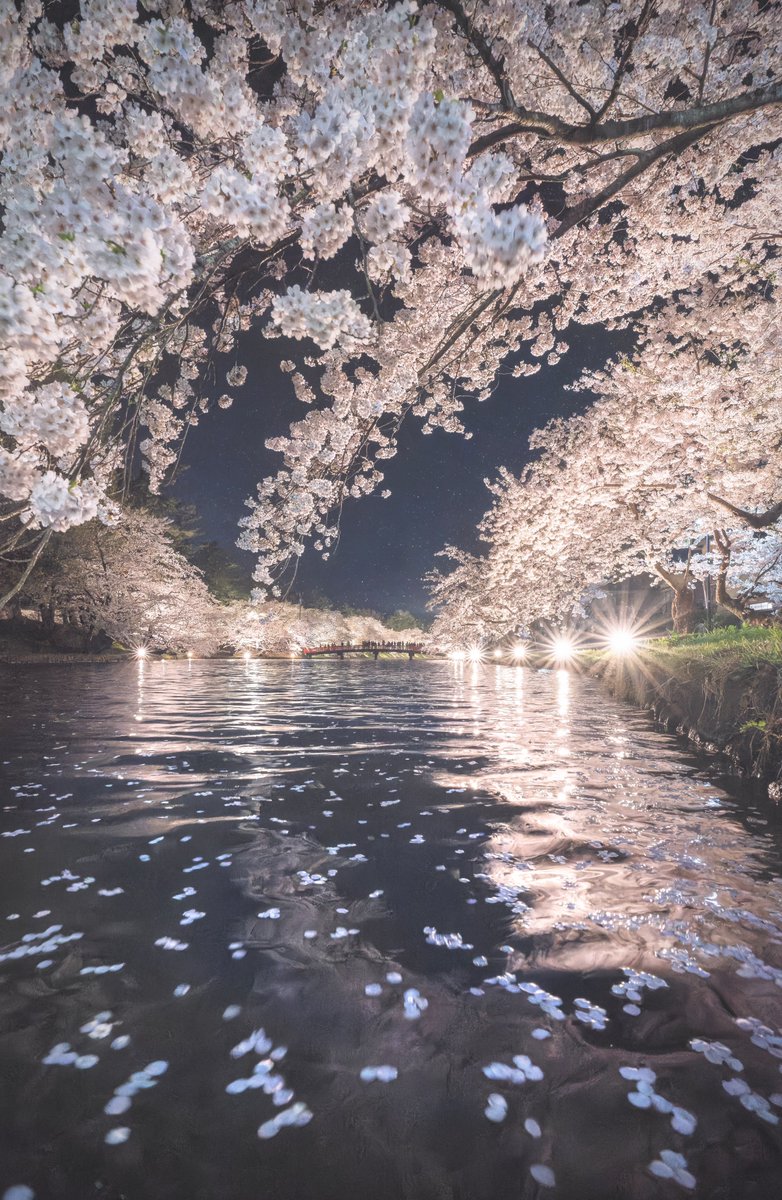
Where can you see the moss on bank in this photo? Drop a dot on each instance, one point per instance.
(723, 690)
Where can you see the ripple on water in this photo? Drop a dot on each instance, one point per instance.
(448, 932)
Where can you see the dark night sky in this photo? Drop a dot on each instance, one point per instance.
(438, 494)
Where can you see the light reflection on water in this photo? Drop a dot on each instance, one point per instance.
(592, 901)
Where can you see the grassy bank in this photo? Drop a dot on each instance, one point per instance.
(723, 690)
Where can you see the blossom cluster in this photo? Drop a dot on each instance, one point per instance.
(326, 317)
(325, 229)
(129, 580)
(54, 417)
(662, 475)
(55, 504)
(154, 195)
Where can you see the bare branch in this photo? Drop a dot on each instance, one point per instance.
(564, 80)
(640, 28)
(14, 591)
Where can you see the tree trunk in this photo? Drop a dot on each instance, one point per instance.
(683, 610)
(683, 606)
(737, 606)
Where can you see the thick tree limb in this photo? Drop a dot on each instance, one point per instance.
(697, 117)
(723, 596)
(596, 130)
(683, 611)
(761, 520)
(677, 580)
(738, 606)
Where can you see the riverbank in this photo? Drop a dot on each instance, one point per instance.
(24, 652)
(113, 656)
(722, 690)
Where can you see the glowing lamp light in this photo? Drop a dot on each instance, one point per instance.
(141, 652)
(474, 654)
(519, 652)
(563, 649)
(497, 654)
(190, 654)
(623, 642)
(247, 656)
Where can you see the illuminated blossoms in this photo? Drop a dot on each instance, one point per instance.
(489, 178)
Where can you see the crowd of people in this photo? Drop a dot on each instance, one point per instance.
(387, 647)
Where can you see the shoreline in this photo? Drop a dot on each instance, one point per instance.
(55, 658)
(722, 694)
(724, 701)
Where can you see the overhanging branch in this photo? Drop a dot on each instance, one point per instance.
(756, 520)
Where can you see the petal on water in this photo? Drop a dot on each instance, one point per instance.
(116, 1137)
(543, 1175)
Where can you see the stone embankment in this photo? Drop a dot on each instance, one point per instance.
(722, 691)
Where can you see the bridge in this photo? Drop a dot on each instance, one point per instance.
(373, 648)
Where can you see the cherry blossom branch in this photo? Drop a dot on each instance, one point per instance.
(641, 25)
(564, 80)
(757, 520)
(707, 53)
(700, 117)
(495, 66)
(591, 204)
(22, 580)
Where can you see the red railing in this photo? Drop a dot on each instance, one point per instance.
(364, 648)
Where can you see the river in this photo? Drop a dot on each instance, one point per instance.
(377, 931)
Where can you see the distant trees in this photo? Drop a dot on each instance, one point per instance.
(402, 620)
(398, 621)
(223, 576)
(128, 582)
(278, 627)
(132, 584)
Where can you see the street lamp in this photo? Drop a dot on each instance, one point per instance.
(623, 641)
(563, 649)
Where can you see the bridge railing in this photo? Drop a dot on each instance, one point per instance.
(368, 647)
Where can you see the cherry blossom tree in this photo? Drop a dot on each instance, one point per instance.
(676, 470)
(476, 178)
(129, 582)
(278, 627)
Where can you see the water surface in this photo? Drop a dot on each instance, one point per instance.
(229, 891)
